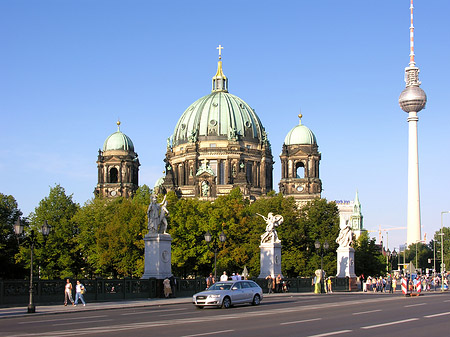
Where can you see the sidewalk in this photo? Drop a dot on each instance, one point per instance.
(60, 308)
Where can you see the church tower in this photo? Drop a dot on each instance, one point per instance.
(412, 100)
(118, 166)
(300, 159)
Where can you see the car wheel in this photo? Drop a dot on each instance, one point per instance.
(199, 306)
(226, 303)
(256, 300)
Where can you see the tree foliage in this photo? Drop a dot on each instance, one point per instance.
(369, 259)
(9, 213)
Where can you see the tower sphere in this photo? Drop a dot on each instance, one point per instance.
(412, 99)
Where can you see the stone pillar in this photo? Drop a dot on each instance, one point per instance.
(158, 256)
(346, 266)
(345, 262)
(270, 254)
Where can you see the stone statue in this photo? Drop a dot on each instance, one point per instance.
(205, 188)
(162, 217)
(156, 213)
(272, 221)
(345, 238)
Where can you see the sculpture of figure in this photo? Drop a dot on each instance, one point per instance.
(317, 281)
(153, 215)
(205, 188)
(162, 217)
(345, 238)
(272, 221)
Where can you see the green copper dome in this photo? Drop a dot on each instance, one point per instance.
(118, 141)
(219, 115)
(300, 135)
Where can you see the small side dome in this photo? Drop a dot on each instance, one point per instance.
(118, 141)
(300, 135)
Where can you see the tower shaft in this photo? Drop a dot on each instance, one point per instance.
(413, 217)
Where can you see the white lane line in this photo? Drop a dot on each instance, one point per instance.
(414, 305)
(150, 311)
(447, 301)
(83, 322)
(437, 315)
(366, 312)
(209, 333)
(331, 333)
(389, 323)
(56, 320)
(303, 321)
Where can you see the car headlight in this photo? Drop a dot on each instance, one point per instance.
(214, 296)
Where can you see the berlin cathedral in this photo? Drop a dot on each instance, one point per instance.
(219, 143)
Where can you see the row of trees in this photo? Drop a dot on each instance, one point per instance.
(104, 238)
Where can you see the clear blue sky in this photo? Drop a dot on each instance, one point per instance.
(69, 69)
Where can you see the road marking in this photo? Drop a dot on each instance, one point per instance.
(447, 301)
(56, 320)
(389, 323)
(152, 311)
(437, 315)
(84, 322)
(366, 312)
(209, 333)
(331, 333)
(303, 321)
(414, 305)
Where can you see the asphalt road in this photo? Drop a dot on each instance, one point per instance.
(356, 314)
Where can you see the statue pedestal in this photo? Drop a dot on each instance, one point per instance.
(346, 262)
(158, 256)
(270, 259)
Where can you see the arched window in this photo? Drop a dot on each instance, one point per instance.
(113, 175)
(300, 170)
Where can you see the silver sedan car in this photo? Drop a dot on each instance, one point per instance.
(227, 293)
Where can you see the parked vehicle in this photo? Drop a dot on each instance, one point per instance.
(228, 293)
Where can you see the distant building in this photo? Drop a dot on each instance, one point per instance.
(350, 213)
(118, 167)
(300, 159)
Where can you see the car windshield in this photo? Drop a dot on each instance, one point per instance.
(220, 286)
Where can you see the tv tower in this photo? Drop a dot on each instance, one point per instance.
(412, 100)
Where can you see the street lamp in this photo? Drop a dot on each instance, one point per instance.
(394, 256)
(322, 248)
(32, 237)
(388, 255)
(208, 239)
(442, 249)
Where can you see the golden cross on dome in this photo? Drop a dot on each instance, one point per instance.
(220, 51)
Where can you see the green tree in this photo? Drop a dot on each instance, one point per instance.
(9, 213)
(111, 234)
(59, 257)
(368, 257)
(446, 249)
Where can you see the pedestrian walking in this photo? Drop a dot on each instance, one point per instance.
(329, 285)
(209, 280)
(278, 283)
(270, 284)
(224, 276)
(79, 292)
(68, 293)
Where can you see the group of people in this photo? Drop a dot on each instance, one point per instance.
(276, 284)
(210, 280)
(389, 283)
(79, 292)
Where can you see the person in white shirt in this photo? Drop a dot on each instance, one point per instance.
(79, 293)
(224, 276)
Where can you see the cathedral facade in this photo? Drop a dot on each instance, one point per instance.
(219, 143)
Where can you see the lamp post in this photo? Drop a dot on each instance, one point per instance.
(388, 255)
(442, 249)
(32, 237)
(394, 256)
(208, 239)
(322, 248)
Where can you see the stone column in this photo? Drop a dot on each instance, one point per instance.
(158, 256)
(270, 254)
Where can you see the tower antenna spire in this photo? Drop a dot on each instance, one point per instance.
(412, 63)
